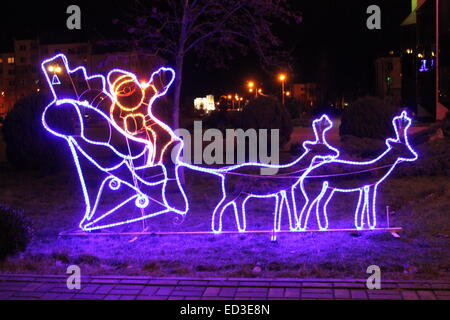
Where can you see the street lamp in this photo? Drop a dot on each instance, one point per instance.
(282, 78)
(252, 88)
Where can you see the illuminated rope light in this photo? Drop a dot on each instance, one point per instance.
(238, 193)
(128, 169)
(125, 105)
(398, 150)
(127, 86)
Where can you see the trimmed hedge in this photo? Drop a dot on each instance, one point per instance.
(28, 144)
(268, 113)
(368, 117)
(15, 231)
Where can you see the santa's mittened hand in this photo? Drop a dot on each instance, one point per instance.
(162, 80)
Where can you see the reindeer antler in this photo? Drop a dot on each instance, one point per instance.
(321, 126)
(401, 124)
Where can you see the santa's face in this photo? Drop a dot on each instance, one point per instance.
(128, 93)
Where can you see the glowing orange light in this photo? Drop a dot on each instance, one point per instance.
(130, 111)
(282, 77)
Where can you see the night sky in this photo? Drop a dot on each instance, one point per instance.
(333, 38)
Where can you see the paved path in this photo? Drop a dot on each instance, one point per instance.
(145, 288)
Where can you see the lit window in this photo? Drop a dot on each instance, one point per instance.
(1, 60)
(11, 60)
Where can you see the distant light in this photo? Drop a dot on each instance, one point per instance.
(51, 68)
(58, 69)
(288, 93)
(251, 84)
(206, 104)
(282, 77)
(229, 97)
(250, 90)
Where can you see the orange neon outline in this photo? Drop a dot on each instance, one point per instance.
(151, 134)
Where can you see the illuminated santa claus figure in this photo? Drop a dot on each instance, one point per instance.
(131, 110)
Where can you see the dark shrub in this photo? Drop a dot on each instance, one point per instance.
(434, 160)
(15, 231)
(368, 117)
(268, 113)
(28, 144)
(365, 148)
(294, 107)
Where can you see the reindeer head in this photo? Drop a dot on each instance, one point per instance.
(400, 146)
(320, 147)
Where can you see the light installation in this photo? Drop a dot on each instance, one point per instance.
(347, 176)
(131, 154)
(242, 182)
(136, 160)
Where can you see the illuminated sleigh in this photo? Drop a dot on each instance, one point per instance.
(127, 166)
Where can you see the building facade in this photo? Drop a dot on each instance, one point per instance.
(20, 73)
(308, 94)
(388, 78)
(426, 59)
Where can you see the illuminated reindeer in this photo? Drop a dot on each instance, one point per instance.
(321, 181)
(242, 182)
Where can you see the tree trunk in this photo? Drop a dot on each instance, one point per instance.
(177, 96)
(179, 60)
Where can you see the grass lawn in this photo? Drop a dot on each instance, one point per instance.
(54, 203)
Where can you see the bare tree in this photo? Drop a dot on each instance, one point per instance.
(212, 29)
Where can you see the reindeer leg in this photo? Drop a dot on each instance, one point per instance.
(311, 197)
(216, 221)
(239, 211)
(371, 206)
(359, 212)
(292, 209)
(290, 206)
(321, 207)
(279, 200)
